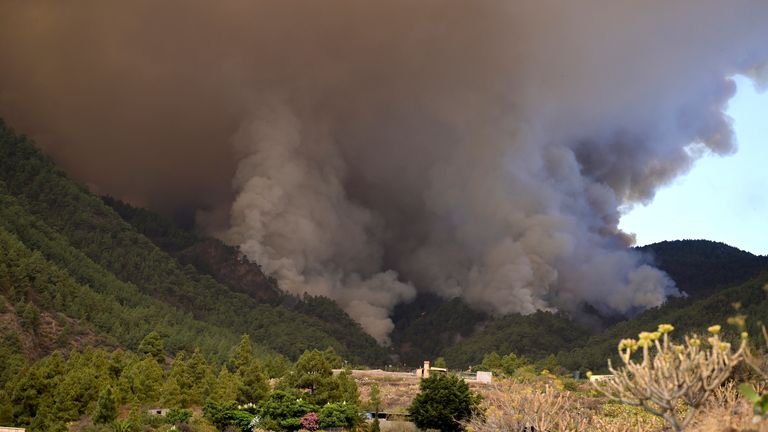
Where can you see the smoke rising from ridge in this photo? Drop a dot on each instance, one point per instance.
(364, 150)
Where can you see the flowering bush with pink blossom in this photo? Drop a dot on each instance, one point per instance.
(310, 421)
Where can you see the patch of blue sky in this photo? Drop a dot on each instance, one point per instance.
(722, 198)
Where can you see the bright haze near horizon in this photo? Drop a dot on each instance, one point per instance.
(722, 198)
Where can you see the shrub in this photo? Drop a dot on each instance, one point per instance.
(178, 415)
(226, 415)
(525, 374)
(340, 414)
(443, 402)
(512, 406)
(758, 363)
(283, 411)
(506, 365)
(310, 421)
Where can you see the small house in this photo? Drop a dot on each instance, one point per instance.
(158, 411)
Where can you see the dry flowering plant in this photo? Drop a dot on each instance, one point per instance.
(512, 406)
(759, 363)
(666, 376)
(758, 400)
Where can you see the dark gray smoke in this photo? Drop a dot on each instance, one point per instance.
(364, 150)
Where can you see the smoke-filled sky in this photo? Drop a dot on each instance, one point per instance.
(367, 150)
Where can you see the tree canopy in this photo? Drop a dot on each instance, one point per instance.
(443, 402)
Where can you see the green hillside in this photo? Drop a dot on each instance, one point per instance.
(425, 327)
(533, 336)
(714, 275)
(76, 234)
(728, 276)
(686, 317)
(702, 267)
(44, 273)
(231, 268)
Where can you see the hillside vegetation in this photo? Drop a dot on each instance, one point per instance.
(702, 267)
(121, 284)
(714, 275)
(78, 269)
(100, 390)
(750, 296)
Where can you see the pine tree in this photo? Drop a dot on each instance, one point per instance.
(172, 394)
(152, 345)
(440, 362)
(202, 377)
(374, 400)
(312, 372)
(179, 382)
(226, 386)
(254, 386)
(106, 407)
(142, 381)
(374, 404)
(242, 354)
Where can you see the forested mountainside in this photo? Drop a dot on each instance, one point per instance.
(230, 267)
(750, 297)
(431, 327)
(209, 256)
(425, 327)
(714, 275)
(702, 267)
(532, 336)
(68, 256)
(78, 270)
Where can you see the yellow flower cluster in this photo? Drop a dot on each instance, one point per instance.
(628, 344)
(738, 320)
(646, 338)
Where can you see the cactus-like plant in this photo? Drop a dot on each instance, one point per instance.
(669, 374)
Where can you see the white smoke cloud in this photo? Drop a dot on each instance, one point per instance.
(476, 149)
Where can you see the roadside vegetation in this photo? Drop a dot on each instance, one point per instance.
(709, 383)
(99, 390)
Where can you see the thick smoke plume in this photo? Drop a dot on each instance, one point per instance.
(479, 149)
